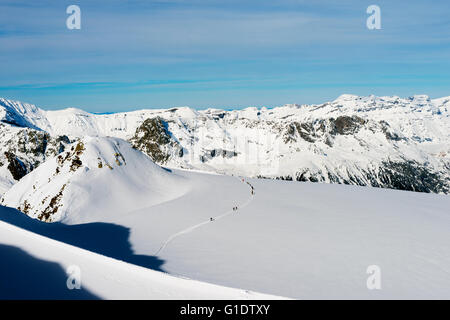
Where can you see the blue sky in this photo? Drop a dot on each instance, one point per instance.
(226, 54)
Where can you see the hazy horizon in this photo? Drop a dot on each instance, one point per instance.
(229, 108)
(226, 55)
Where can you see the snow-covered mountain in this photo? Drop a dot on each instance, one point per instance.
(96, 178)
(400, 143)
(109, 201)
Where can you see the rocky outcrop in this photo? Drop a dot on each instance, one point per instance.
(214, 153)
(401, 175)
(24, 149)
(16, 166)
(154, 139)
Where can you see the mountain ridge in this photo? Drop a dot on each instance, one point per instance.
(373, 141)
(96, 176)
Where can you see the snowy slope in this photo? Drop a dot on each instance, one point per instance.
(297, 240)
(314, 241)
(22, 114)
(96, 177)
(34, 267)
(300, 240)
(377, 141)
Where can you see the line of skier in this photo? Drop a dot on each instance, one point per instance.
(236, 207)
(253, 189)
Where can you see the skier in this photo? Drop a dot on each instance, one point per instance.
(211, 219)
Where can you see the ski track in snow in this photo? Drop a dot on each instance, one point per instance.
(216, 218)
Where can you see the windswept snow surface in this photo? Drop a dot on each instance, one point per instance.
(34, 267)
(302, 240)
(290, 239)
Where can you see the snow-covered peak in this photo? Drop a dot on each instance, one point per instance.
(347, 97)
(420, 98)
(78, 123)
(22, 114)
(97, 178)
(350, 134)
(441, 101)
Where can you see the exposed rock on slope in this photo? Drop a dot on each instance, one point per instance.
(154, 139)
(94, 179)
(24, 149)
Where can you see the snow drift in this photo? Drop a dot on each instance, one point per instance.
(33, 266)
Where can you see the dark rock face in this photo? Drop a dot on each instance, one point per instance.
(400, 175)
(210, 154)
(346, 125)
(53, 206)
(323, 129)
(17, 168)
(72, 156)
(28, 148)
(411, 176)
(62, 142)
(388, 133)
(306, 131)
(154, 139)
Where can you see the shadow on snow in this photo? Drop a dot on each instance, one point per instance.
(27, 277)
(108, 239)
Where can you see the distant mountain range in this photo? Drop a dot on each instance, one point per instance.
(388, 142)
(118, 194)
